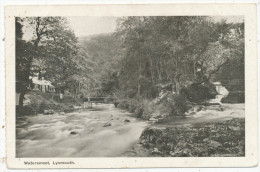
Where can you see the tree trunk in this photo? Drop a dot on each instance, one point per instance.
(159, 73)
(177, 84)
(138, 82)
(151, 70)
(21, 97)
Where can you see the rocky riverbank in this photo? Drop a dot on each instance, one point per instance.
(210, 139)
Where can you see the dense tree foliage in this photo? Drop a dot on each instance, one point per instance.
(105, 55)
(48, 53)
(143, 55)
(176, 50)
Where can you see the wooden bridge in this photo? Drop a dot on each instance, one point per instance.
(107, 100)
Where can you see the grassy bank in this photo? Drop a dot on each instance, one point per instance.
(37, 102)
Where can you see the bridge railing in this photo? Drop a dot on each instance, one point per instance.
(99, 99)
(89, 100)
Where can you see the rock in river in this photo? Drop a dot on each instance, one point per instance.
(47, 112)
(107, 124)
(73, 133)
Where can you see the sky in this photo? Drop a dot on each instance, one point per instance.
(85, 26)
(93, 25)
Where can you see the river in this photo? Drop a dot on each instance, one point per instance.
(83, 133)
(78, 134)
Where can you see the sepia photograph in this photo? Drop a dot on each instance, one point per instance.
(121, 86)
(166, 86)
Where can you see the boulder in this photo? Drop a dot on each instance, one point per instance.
(153, 119)
(62, 113)
(73, 133)
(127, 120)
(107, 124)
(156, 151)
(68, 110)
(47, 112)
(77, 107)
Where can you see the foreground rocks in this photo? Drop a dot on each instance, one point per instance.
(226, 138)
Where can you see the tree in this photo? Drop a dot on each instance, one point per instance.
(232, 37)
(102, 54)
(24, 56)
(175, 49)
(52, 41)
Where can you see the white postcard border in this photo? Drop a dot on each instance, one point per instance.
(246, 10)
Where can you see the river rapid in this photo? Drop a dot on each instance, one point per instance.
(78, 134)
(103, 131)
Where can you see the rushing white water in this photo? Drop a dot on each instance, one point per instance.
(78, 134)
(222, 92)
(82, 133)
(221, 111)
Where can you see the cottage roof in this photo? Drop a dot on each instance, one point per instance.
(35, 80)
(217, 83)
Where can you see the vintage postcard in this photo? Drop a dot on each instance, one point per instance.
(131, 86)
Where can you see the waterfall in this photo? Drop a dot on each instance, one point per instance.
(222, 92)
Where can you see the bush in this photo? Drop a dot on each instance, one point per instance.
(234, 97)
(139, 111)
(148, 109)
(181, 105)
(25, 110)
(199, 93)
(171, 105)
(175, 106)
(43, 106)
(123, 104)
(132, 106)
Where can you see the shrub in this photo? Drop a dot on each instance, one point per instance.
(132, 105)
(148, 109)
(199, 93)
(25, 110)
(43, 106)
(139, 111)
(181, 105)
(123, 104)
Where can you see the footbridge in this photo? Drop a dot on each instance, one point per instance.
(107, 100)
